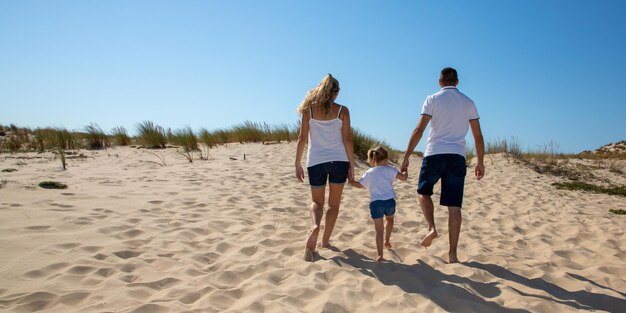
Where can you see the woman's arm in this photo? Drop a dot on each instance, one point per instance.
(303, 138)
(346, 132)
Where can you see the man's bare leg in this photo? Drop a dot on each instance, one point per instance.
(454, 227)
(428, 208)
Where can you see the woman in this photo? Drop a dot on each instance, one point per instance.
(325, 126)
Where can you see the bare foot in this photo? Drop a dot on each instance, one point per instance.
(453, 258)
(379, 258)
(312, 240)
(309, 255)
(387, 245)
(324, 245)
(429, 238)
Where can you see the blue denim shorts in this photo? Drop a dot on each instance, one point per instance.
(451, 169)
(379, 208)
(334, 172)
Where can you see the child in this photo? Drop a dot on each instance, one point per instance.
(378, 180)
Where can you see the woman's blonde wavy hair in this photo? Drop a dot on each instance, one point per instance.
(321, 94)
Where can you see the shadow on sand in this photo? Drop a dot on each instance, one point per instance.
(423, 279)
(580, 299)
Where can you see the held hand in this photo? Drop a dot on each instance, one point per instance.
(299, 173)
(351, 172)
(479, 171)
(405, 166)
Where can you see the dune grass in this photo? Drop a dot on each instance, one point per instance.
(96, 137)
(120, 136)
(618, 211)
(151, 135)
(9, 170)
(362, 142)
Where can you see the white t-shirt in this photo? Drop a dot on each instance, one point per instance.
(450, 112)
(378, 181)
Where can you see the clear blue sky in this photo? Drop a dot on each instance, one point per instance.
(538, 70)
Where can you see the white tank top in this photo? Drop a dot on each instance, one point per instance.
(325, 141)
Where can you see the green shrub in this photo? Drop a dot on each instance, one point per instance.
(52, 185)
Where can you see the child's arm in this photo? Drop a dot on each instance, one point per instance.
(355, 183)
(402, 176)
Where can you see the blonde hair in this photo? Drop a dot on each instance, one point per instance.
(377, 155)
(321, 94)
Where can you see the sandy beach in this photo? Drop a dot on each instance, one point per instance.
(146, 231)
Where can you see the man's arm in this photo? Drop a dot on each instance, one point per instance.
(479, 143)
(415, 139)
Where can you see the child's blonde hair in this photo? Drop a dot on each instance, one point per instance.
(377, 155)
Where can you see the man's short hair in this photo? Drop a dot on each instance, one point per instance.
(449, 76)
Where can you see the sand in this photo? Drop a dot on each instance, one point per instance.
(131, 234)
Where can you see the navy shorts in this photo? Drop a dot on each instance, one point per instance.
(451, 169)
(334, 172)
(379, 208)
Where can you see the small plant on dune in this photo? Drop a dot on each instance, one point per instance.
(469, 155)
(160, 157)
(3, 182)
(510, 147)
(186, 139)
(618, 211)
(96, 137)
(120, 136)
(151, 135)
(64, 141)
(9, 170)
(52, 185)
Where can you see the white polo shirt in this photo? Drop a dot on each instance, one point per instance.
(450, 111)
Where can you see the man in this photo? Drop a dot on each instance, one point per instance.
(451, 114)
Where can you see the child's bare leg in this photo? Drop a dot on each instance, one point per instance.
(428, 208)
(379, 227)
(388, 229)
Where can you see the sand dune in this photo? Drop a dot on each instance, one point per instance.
(227, 235)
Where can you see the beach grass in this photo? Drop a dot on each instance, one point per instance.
(9, 170)
(96, 137)
(362, 142)
(120, 136)
(618, 211)
(151, 135)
